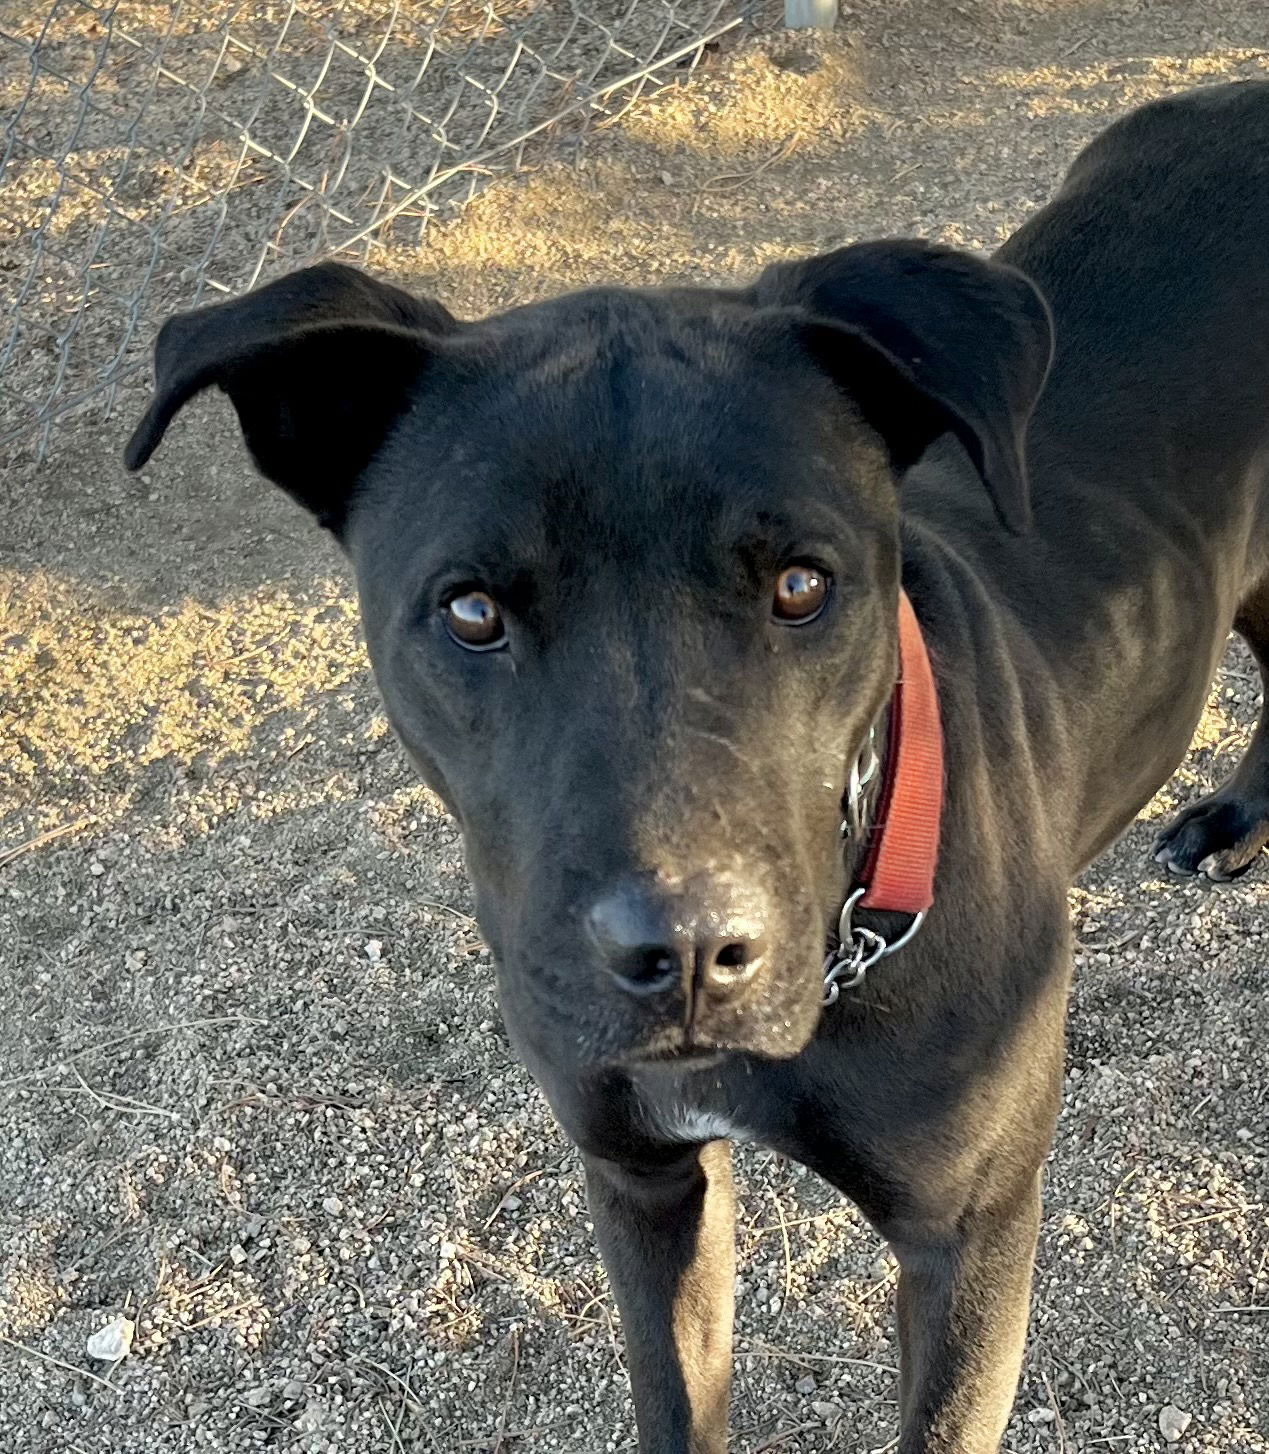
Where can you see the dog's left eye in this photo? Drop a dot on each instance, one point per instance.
(801, 593)
(474, 621)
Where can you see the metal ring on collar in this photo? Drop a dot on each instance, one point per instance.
(858, 949)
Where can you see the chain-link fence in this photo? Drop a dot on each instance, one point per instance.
(155, 154)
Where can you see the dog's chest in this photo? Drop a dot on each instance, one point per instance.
(683, 1121)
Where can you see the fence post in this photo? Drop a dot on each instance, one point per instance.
(810, 14)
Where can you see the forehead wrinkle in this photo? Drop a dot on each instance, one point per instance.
(611, 346)
(674, 516)
(628, 431)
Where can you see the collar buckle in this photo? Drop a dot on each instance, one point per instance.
(862, 771)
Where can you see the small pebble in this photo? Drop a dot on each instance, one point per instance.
(112, 1342)
(1173, 1422)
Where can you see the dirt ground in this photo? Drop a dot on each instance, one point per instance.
(254, 1091)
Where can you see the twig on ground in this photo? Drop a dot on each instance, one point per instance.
(784, 1436)
(9, 854)
(402, 1383)
(511, 1191)
(1114, 1206)
(788, 1264)
(220, 1317)
(1215, 1216)
(726, 181)
(501, 1437)
(447, 909)
(394, 1429)
(796, 1222)
(75, 1055)
(28, 1352)
(408, 1398)
(1109, 945)
(511, 1434)
(108, 1101)
(1057, 1413)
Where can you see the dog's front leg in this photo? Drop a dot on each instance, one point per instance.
(666, 1233)
(962, 1306)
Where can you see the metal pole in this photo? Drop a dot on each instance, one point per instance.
(810, 14)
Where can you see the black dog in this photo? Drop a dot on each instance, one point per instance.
(630, 565)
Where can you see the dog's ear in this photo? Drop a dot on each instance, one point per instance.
(317, 364)
(926, 339)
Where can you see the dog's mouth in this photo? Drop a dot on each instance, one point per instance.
(555, 1025)
(775, 1022)
(679, 1050)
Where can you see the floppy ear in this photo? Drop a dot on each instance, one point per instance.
(317, 364)
(927, 339)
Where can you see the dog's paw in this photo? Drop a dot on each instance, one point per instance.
(1218, 837)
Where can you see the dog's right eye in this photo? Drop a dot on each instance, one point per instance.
(801, 593)
(474, 621)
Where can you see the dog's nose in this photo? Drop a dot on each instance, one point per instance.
(653, 939)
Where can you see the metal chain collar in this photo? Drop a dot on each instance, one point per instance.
(857, 948)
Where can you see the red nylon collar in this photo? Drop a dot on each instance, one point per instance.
(898, 873)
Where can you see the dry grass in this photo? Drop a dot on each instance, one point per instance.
(791, 88)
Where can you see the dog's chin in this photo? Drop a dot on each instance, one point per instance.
(762, 1031)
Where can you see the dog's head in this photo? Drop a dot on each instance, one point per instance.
(628, 565)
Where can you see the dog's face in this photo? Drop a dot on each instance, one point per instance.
(629, 623)
(628, 566)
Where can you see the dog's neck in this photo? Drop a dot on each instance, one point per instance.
(891, 820)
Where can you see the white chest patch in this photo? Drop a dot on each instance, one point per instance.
(685, 1123)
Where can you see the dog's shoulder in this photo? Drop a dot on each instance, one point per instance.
(1198, 134)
